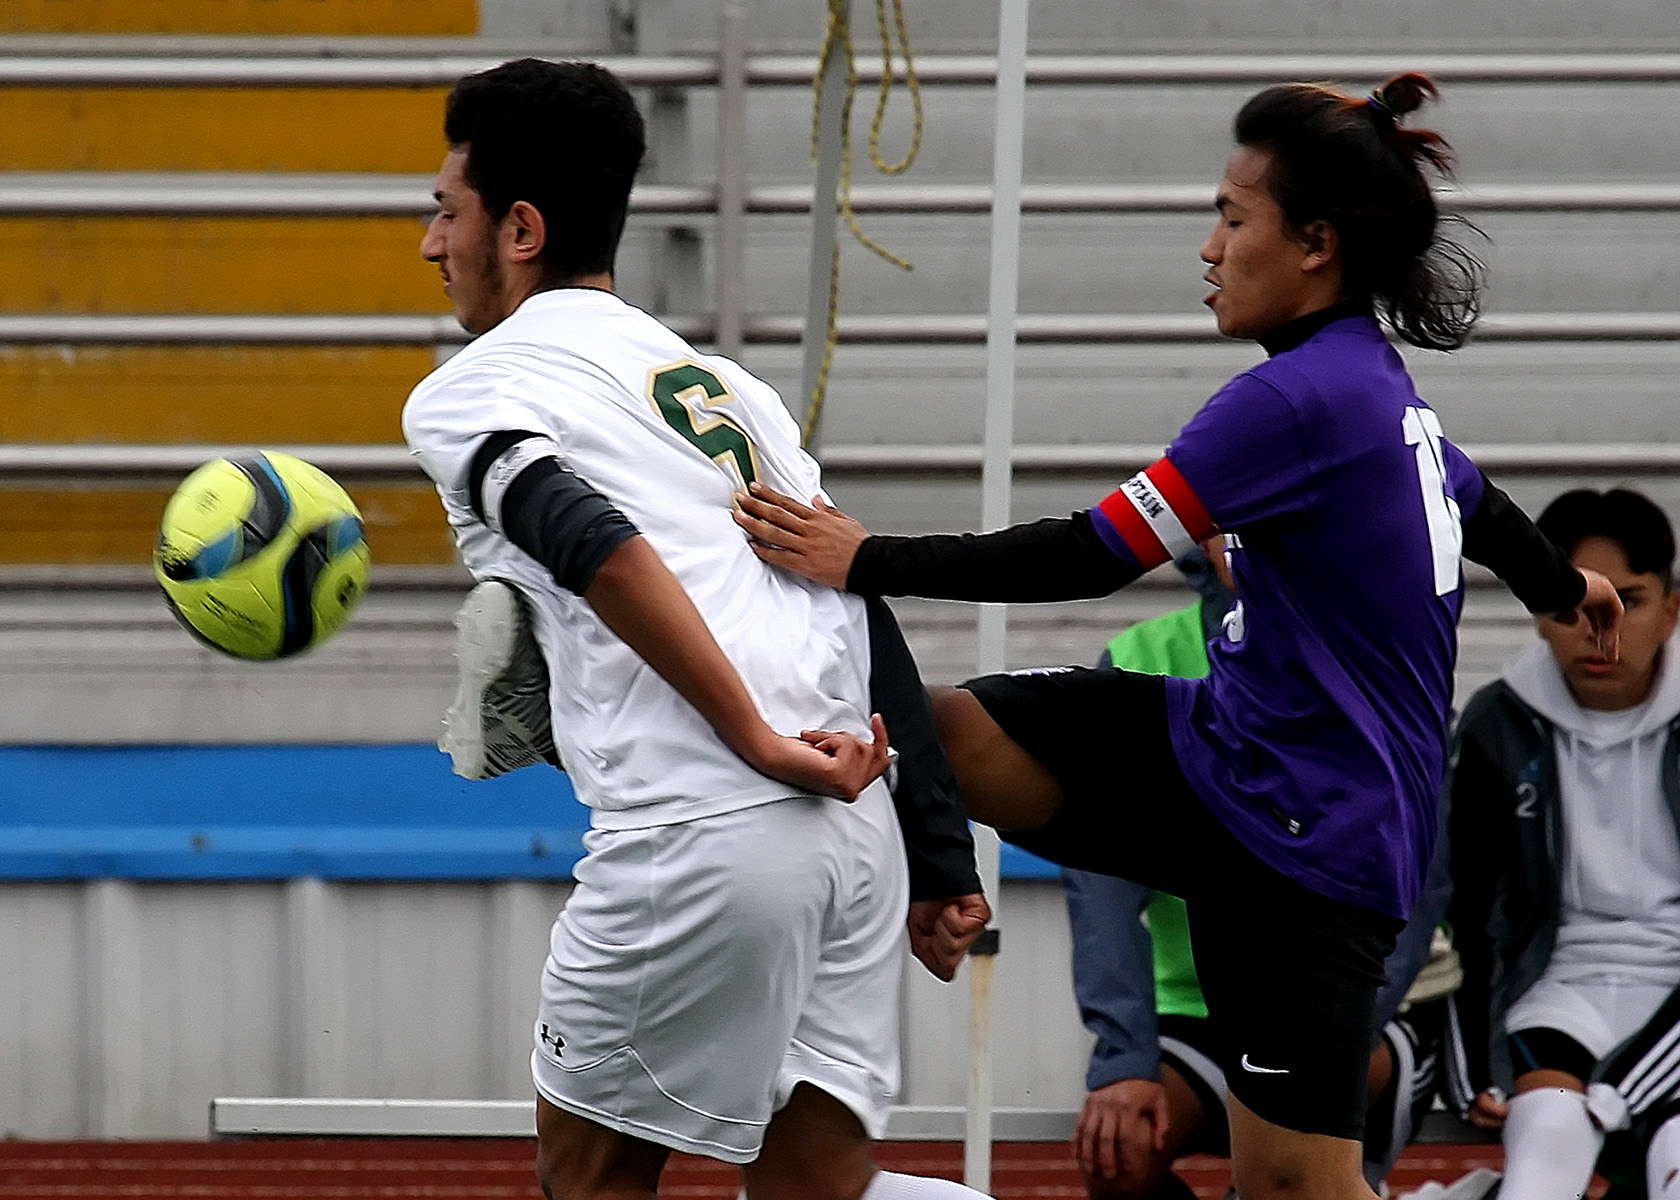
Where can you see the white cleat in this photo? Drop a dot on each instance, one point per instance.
(500, 720)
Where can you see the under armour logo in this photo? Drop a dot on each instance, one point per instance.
(552, 1039)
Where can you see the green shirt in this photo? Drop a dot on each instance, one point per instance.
(1168, 645)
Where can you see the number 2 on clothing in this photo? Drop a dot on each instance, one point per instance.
(687, 395)
(1422, 429)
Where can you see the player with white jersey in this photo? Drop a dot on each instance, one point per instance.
(724, 977)
(580, 377)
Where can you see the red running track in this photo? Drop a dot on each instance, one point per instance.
(500, 1169)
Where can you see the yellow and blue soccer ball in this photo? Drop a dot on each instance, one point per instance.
(261, 555)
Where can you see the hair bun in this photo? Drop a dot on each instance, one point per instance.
(1402, 94)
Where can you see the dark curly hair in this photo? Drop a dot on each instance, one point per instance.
(1349, 161)
(564, 137)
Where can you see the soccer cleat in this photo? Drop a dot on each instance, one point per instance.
(1483, 1183)
(500, 720)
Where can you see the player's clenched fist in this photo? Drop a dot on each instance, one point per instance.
(941, 931)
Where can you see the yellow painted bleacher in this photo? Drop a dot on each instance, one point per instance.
(285, 264)
(210, 395)
(202, 394)
(343, 17)
(221, 129)
(92, 523)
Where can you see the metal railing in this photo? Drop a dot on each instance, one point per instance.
(1043, 329)
(374, 463)
(442, 70)
(224, 194)
(291, 1117)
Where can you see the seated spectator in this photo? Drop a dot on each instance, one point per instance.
(1155, 1091)
(1565, 833)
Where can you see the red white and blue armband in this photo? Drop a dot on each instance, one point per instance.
(1154, 517)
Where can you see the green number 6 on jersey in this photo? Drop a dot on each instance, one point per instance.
(689, 396)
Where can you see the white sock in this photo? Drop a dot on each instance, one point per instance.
(890, 1185)
(1551, 1145)
(1662, 1162)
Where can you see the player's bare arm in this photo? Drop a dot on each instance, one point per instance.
(817, 542)
(644, 603)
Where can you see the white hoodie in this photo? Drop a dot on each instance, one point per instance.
(1620, 852)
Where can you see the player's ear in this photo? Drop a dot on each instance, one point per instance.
(1321, 243)
(526, 230)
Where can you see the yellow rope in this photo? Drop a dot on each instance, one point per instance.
(837, 39)
(831, 339)
(912, 84)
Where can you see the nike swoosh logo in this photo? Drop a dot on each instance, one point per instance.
(1248, 1066)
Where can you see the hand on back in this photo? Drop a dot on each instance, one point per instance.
(823, 762)
(818, 543)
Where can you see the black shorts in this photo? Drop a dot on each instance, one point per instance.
(1543, 1049)
(1290, 976)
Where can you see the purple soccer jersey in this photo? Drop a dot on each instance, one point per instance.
(1319, 738)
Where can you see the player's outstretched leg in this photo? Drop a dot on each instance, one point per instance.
(500, 719)
(580, 1160)
(816, 1149)
(1002, 785)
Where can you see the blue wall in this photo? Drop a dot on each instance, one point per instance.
(276, 812)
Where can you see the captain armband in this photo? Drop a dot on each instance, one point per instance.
(520, 489)
(1156, 515)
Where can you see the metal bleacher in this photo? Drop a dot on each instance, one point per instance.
(210, 237)
(262, 289)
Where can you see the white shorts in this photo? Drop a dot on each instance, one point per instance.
(1599, 1013)
(699, 971)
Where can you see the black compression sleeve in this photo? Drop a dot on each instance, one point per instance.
(937, 841)
(1500, 536)
(1058, 558)
(551, 514)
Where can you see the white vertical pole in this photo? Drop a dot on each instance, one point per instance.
(729, 249)
(995, 485)
(820, 272)
(678, 275)
(115, 1077)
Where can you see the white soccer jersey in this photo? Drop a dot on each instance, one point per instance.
(668, 435)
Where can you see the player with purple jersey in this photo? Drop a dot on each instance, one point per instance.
(1290, 797)
(1326, 706)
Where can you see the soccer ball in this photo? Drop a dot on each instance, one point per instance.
(261, 556)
